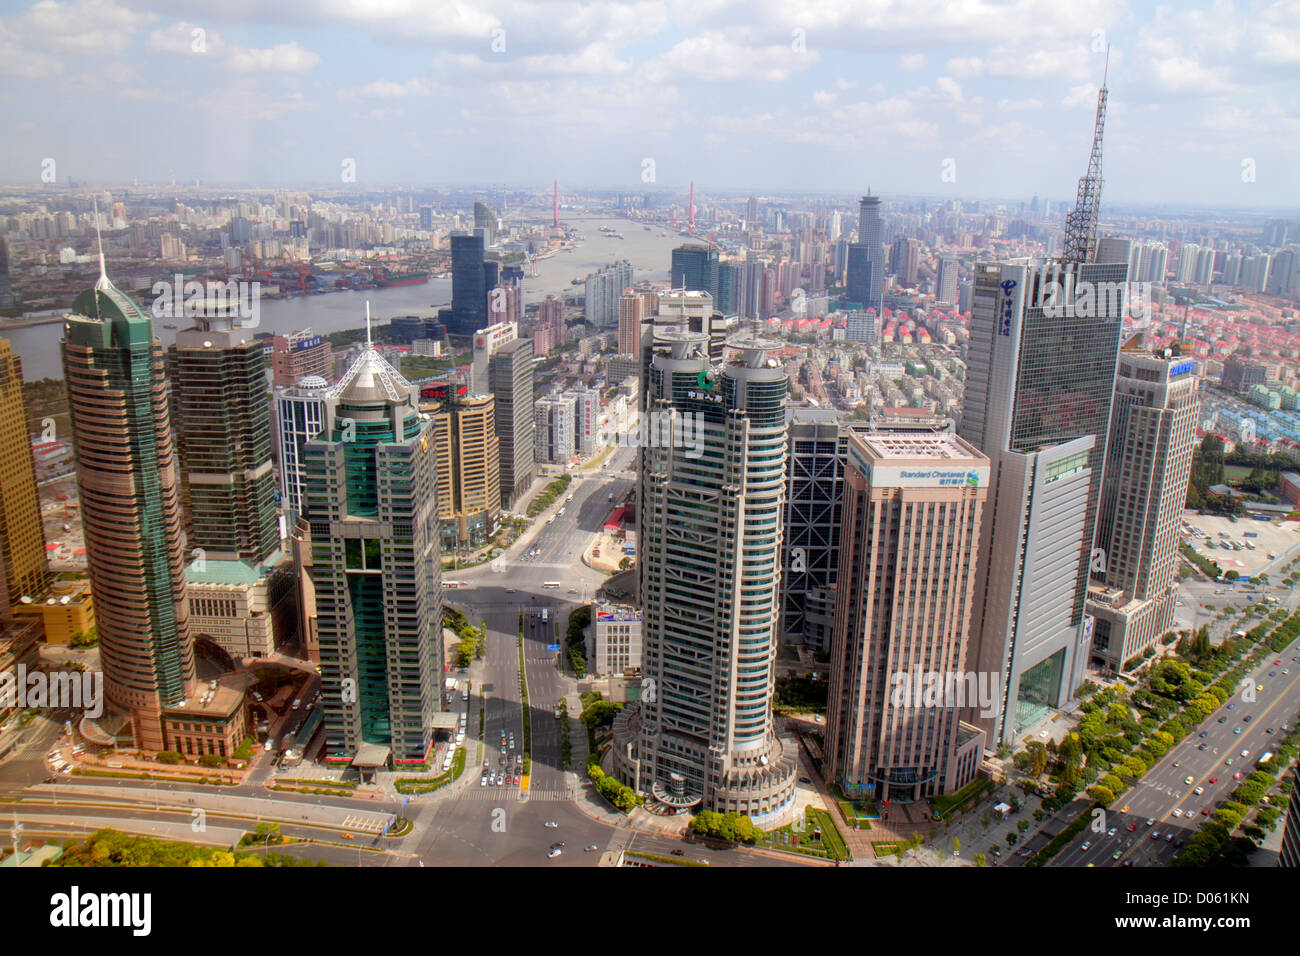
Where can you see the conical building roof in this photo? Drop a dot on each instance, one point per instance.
(371, 379)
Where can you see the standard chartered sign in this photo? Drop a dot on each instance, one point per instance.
(912, 477)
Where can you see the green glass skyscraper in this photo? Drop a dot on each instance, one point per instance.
(129, 487)
(370, 505)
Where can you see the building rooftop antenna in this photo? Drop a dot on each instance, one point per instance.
(368, 344)
(1081, 221)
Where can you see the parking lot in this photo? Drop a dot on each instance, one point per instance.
(1267, 537)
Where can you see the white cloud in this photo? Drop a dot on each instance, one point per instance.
(911, 61)
(415, 88)
(281, 58)
(1027, 104)
(87, 27)
(717, 58)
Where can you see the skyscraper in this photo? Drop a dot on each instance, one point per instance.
(371, 506)
(946, 282)
(22, 537)
(1038, 394)
(553, 427)
(858, 278)
(299, 355)
(814, 492)
(909, 548)
(694, 267)
(485, 219)
(711, 524)
(468, 285)
(468, 464)
(128, 482)
(223, 430)
(871, 235)
(1143, 494)
(302, 412)
(603, 291)
(510, 377)
(631, 315)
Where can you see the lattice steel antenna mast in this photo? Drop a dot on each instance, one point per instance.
(1081, 221)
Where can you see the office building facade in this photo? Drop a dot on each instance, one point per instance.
(22, 535)
(469, 285)
(223, 427)
(510, 377)
(553, 427)
(710, 527)
(909, 547)
(468, 463)
(370, 505)
(1040, 380)
(302, 412)
(300, 355)
(128, 483)
(871, 235)
(1144, 492)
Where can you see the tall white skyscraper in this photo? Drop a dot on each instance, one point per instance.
(1144, 491)
(711, 527)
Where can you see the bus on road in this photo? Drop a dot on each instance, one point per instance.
(555, 585)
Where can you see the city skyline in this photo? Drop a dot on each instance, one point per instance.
(728, 95)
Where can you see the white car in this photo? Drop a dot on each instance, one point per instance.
(552, 854)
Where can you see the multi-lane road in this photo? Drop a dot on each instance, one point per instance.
(1211, 756)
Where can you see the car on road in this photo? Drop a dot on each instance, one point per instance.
(551, 824)
(1178, 763)
(482, 781)
(1132, 827)
(1245, 753)
(553, 853)
(1202, 747)
(1111, 831)
(1198, 791)
(1117, 854)
(1155, 834)
(1187, 779)
(1259, 687)
(1223, 720)
(1151, 821)
(1214, 780)
(1236, 730)
(1238, 775)
(1203, 733)
(591, 848)
(1169, 838)
(679, 852)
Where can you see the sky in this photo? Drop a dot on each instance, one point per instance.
(970, 98)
